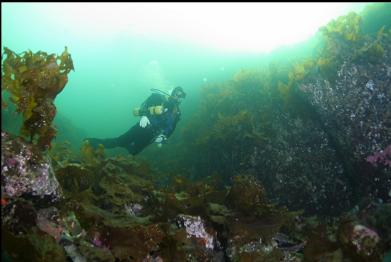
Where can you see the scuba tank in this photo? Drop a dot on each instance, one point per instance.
(159, 91)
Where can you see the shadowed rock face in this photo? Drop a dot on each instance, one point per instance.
(356, 102)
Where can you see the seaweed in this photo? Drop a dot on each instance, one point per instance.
(347, 27)
(33, 81)
(91, 156)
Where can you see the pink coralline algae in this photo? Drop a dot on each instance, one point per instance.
(195, 227)
(364, 239)
(96, 240)
(45, 222)
(26, 170)
(381, 157)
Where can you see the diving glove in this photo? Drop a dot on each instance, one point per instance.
(144, 121)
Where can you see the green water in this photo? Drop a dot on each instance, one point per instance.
(115, 72)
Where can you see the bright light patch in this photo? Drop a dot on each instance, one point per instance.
(244, 27)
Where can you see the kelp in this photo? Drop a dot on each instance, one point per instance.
(346, 27)
(33, 81)
(91, 156)
(267, 120)
(373, 51)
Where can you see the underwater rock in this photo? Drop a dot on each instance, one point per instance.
(358, 98)
(377, 217)
(135, 242)
(253, 239)
(321, 244)
(247, 195)
(219, 213)
(33, 246)
(117, 193)
(92, 253)
(381, 157)
(194, 240)
(19, 216)
(303, 128)
(150, 258)
(24, 169)
(133, 209)
(68, 233)
(74, 177)
(283, 242)
(359, 241)
(41, 233)
(47, 222)
(195, 228)
(74, 254)
(253, 251)
(364, 239)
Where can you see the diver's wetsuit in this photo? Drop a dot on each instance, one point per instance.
(137, 138)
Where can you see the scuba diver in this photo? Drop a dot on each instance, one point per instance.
(159, 115)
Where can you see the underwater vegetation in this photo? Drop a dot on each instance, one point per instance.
(316, 133)
(305, 130)
(33, 81)
(109, 209)
(283, 163)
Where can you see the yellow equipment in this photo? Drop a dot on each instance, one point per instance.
(153, 110)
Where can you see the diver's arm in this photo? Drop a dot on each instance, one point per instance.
(144, 106)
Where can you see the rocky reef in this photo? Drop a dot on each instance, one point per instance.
(286, 163)
(316, 131)
(112, 209)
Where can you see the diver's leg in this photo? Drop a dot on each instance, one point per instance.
(144, 139)
(136, 139)
(107, 143)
